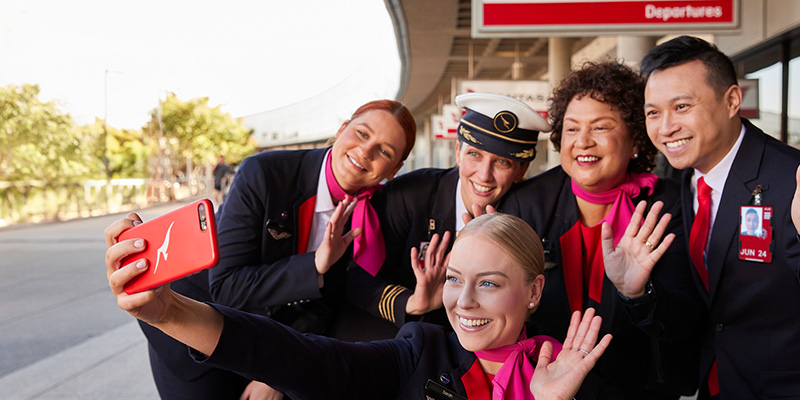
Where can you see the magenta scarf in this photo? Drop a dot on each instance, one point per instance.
(621, 212)
(369, 251)
(513, 380)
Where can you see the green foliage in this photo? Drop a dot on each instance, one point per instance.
(37, 141)
(194, 130)
(127, 150)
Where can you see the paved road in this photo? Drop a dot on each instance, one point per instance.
(61, 333)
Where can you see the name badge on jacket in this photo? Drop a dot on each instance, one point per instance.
(435, 391)
(278, 230)
(755, 233)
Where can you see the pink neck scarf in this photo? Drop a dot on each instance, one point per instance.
(369, 251)
(513, 380)
(622, 210)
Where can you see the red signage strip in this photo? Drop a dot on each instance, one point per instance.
(612, 12)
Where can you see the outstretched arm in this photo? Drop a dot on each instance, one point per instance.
(629, 265)
(191, 322)
(561, 379)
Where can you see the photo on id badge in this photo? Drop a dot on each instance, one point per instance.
(755, 233)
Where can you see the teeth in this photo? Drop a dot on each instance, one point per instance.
(481, 188)
(677, 143)
(472, 322)
(356, 163)
(588, 158)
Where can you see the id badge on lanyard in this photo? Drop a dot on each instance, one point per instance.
(755, 230)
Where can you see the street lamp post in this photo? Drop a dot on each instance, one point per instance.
(106, 161)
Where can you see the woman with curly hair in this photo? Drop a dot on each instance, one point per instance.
(593, 246)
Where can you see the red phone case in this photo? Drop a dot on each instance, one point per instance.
(179, 243)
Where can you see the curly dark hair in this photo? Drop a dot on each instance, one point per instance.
(620, 87)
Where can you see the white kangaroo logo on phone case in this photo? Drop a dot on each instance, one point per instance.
(163, 249)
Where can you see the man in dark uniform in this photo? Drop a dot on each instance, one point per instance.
(750, 338)
(496, 143)
(221, 175)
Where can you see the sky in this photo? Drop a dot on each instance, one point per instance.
(117, 58)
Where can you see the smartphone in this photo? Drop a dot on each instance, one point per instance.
(179, 243)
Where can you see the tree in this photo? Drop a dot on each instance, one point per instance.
(39, 142)
(127, 149)
(197, 133)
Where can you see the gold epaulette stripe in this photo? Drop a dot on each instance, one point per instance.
(386, 305)
(488, 132)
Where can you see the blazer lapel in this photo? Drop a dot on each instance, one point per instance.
(443, 210)
(306, 188)
(736, 193)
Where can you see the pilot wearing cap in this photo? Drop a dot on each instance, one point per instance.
(422, 209)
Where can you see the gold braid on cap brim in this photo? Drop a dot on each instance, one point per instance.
(501, 137)
(465, 133)
(526, 153)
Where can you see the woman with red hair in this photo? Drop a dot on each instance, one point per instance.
(283, 249)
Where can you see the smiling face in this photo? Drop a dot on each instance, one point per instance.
(687, 120)
(595, 145)
(367, 150)
(751, 222)
(485, 177)
(486, 294)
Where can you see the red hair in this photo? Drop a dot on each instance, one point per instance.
(400, 114)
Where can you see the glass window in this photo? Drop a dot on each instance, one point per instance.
(769, 99)
(794, 102)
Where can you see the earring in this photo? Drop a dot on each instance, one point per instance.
(531, 304)
(635, 155)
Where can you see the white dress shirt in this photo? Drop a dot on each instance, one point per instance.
(715, 179)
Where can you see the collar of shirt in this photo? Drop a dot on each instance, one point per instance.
(323, 209)
(460, 207)
(324, 202)
(715, 178)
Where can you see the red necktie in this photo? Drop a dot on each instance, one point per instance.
(698, 237)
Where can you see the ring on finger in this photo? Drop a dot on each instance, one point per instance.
(582, 350)
(648, 244)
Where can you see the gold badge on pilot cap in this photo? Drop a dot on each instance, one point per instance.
(505, 121)
(501, 125)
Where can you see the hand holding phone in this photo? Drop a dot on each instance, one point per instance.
(179, 243)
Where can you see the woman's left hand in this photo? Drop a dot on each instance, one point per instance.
(561, 379)
(477, 211)
(430, 273)
(629, 265)
(334, 243)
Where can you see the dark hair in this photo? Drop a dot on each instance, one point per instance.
(614, 84)
(400, 114)
(720, 73)
(751, 211)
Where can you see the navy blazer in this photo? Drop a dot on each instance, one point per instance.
(655, 345)
(411, 208)
(753, 328)
(316, 367)
(259, 270)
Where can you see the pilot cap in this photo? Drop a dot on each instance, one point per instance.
(501, 125)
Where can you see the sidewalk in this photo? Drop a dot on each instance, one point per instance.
(111, 365)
